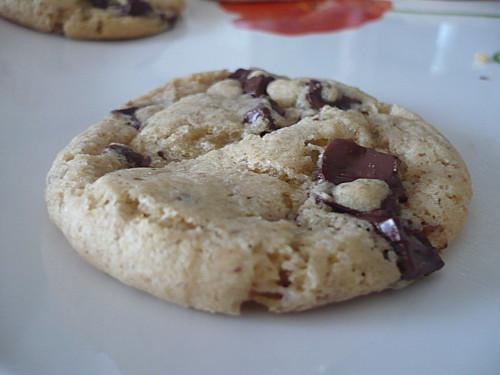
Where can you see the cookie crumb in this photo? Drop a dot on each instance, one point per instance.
(481, 58)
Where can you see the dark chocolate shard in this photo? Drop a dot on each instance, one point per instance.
(315, 98)
(240, 74)
(277, 108)
(162, 155)
(255, 86)
(134, 159)
(416, 255)
(261, 111)
(170, 19)
(99, 3)
(345, 161)
(284, 278)
(136, 8)
(345, 102)
(129, 113)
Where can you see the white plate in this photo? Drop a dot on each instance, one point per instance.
(60, 316)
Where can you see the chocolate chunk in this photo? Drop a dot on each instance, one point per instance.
(129, 112)
(255, 86)
(137, 8)
(277, 108)
(162, 155)
(345, 103)
(313, 95)
(240, 74)
(131, 8)
(170, 19)
(416, 255)
(386, 254)
(261, 111)
(99, 3)
(345, 161)
(315, 98)
(284, 278)
(255, 113)
(134, 159)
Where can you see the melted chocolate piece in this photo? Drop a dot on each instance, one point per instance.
(261, 111)
(162, 155)
(284, 278)
(255, 86)
(134, 159)
(316, 100)
(170, 19)
(129, 112)
(313, 96)
(240, 74)
(416, 255)
(131, 8)
(345, 161)
(99, 3)
(345, 103)
(277, 108)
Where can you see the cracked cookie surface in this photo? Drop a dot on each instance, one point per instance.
(94, 19)
(218, 188)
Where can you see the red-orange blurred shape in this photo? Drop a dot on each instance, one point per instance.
(306, 16)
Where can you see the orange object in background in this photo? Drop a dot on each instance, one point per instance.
(303, 17)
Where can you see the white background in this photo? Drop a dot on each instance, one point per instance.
(60, 316)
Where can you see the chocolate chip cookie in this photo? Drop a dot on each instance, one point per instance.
(94, 19)
(226, 187)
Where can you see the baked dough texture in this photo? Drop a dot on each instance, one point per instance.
(204, 192)
(94, 19)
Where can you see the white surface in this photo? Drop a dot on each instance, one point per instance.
(60, 316)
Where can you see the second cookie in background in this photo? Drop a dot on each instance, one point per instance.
(94, 19)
